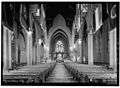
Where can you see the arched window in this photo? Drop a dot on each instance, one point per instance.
(59, 47)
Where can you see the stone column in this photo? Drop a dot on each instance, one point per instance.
(29, 48)
(38, 52)
(15, 40)
(90, 47)
(47, 46)
(80, 52)
(16, 49)
(41, 53)
(4, 49)
(89, 20)
(73, 36)
(113, 49)
(40, 49)
(7, 57)
(33, 54)
(47, 52)
(9, 46)
(46, 49)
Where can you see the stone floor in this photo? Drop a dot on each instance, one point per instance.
(60, 75)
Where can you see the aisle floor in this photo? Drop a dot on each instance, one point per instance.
(60, 75)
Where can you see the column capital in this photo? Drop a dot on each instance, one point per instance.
(90, 30)
(29, 32)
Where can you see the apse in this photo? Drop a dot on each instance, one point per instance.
(59, 36)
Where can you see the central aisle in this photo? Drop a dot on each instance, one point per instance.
(60, 75)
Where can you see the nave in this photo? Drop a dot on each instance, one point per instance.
(46, 43)
(60, 75)
(61, 72)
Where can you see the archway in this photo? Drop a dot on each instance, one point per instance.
(22, 48)
(59, 50)
(59, 32)
(59, 35)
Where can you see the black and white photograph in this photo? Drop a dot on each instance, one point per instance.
(59, 43)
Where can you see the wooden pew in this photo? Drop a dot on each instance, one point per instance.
(20, 78)
(94, 74)
(31, 74)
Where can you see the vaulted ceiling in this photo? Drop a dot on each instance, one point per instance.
(67, 10)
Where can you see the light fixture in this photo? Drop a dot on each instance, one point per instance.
(78, 23)
(74, 45)
(12, 36)
(71, 48)
(40, 41)
(37, 12)
(79, 41)
(29, 32)
(45, 46)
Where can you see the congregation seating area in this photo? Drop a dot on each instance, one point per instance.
(29, 74)
(91, 74)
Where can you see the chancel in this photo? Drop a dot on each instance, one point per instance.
(73, 43)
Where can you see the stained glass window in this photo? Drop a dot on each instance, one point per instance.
(59, 47)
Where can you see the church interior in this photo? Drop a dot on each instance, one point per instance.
(59, 43)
